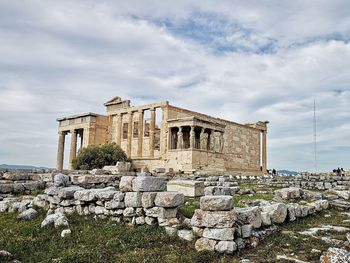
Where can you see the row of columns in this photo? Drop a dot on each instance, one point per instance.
(206, 141)
(73, 147)
(130, 118)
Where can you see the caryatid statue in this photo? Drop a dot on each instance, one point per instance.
(179, 139)
(203, 140)
(192, 137)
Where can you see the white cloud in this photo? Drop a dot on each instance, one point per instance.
(65, 57)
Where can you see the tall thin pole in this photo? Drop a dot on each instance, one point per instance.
(315, 148)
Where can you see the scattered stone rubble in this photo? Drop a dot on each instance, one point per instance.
(140, 198)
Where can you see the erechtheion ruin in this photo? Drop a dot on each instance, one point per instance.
(160, 135)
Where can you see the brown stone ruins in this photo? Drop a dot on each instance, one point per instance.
(161, 135)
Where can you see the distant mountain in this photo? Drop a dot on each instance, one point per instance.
(21, 167)
(287, 172)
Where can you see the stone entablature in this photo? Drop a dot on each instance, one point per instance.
(162, 135)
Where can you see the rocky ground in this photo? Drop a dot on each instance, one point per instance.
(27, 234)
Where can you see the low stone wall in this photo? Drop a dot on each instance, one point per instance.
(140, 200)
(310, 182)
(20, 182)
(226, 229)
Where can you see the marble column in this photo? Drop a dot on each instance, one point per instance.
(119, 129)
(264, 153)
(140, 134)
(192, 137)
(73, 148)
(60, 150)
(152, 132)
(180, 139)
(130, 128)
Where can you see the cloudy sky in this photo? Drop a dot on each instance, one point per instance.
(240, 60)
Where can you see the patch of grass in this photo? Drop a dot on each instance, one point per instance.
(96, 241)
(238, 198)
(190, 204)
(105, 241)
(288, 240)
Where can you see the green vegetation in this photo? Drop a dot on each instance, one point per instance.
(238, 198)
(106, 241)
(97, 156)
(190, 204)
(288, 241)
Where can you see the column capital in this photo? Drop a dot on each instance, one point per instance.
(152, 109)
(62, 133)
(74, 131)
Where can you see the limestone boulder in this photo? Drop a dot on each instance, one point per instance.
(88, 195)
(58, 219)
(107, 195)
(216, 203)
(289, 193)
(186, 187)
(61, 180)
(342, 194)
(219, 233)
(213, 219)
(218, 190)
(125, 184)
(246, 230)
(28, 214)
(227, 247)
(278, 212)
(169, 199)
(6, 188)
(161, 212)
(249, 215)
(149, 184)
(147, 199)
(68, 192)
(205, 244)
(53, 190)
(185, 234)
(133, 199)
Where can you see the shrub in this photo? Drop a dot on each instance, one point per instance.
(97, 156)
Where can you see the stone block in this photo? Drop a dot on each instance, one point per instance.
(278, 212)
(218, 190)
(205, 244)
(169, 199)
(61, 180)
(186, 187)
(161, 212)
(216, 203)
(227, 247)
(246, 230)
(219, 233)
(114, 204)
(147, 199)
(185, 234)
(106, 195)
(250, 215)
(149, 184)
(125, 184)
(133, 199)
(6, 188)
(289, 193)
(213, 219)
(68, 192)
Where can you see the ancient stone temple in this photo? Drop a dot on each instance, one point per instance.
(160, 135)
